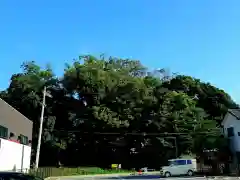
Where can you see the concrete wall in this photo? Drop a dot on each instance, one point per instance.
(14, 156)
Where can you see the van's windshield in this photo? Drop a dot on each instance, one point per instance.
(171, 163)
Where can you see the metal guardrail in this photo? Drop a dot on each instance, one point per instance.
(51, 171)
(45, 172)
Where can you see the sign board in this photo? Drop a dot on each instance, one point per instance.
(114, 166)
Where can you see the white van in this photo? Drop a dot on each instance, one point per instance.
(179, 167)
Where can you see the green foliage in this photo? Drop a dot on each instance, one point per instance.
(105, 111)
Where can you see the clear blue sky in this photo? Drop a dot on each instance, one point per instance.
(200, 38)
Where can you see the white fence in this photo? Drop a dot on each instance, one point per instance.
(14, 156)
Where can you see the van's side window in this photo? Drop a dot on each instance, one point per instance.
(189, 162)
(181, 162)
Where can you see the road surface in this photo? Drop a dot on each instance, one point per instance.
(148, 177)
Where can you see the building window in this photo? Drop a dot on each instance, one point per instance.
(230, 131)
(222, 130)
(238, 133)
(3, 132)
(23, 139)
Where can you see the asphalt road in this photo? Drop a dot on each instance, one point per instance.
(149, 177)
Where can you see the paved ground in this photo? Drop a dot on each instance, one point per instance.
(148, 177)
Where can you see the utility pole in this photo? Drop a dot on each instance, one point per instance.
(175, 142)
(176, 147)
(45, 93)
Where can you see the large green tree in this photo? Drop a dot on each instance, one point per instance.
(112, 110)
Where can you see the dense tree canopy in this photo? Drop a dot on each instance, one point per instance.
(113, 110)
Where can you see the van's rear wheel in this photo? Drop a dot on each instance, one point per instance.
(190, 173)
(167, 174)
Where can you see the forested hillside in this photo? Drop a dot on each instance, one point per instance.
(110, 110)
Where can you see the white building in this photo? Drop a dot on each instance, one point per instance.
(231, 130)
(15, 139)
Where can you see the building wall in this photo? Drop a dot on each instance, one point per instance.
(231, 121)
(14, 121)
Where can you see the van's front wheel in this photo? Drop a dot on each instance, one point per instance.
(167, 174)
(190, 173)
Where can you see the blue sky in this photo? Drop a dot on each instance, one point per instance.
(200, 38)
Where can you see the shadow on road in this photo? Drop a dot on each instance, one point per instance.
(135, 177)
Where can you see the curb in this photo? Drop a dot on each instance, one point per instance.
(222, 178)
(82, 176)
(52, 178)
(100, 175)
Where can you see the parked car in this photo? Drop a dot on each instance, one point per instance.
(17, 176)
(178, 167)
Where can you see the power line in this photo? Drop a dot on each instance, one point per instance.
(137, 134)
